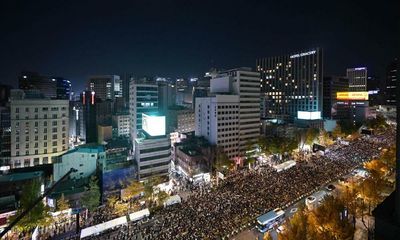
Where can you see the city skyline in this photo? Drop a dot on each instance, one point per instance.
(181, 39)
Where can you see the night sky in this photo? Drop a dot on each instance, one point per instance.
(75, 39)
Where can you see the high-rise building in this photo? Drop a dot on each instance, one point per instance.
(152, 147)
(217, 120)
(106, 87)
(375, 93)
(50, 87)
(291, 85)
(357, 79)
(143, 99)
(332, 85)
(166, 96)
(391, 82)
(4, 94)
(231, 119)
(5, 136)
(87, 117)
(40, 129)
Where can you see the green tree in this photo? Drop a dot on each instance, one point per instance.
(311, 135)
(38, 216)
(62, 203)
(91, 197)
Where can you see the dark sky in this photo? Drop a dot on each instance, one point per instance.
(75, 39)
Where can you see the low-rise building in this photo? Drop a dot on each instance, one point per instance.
(84, 159)
(152, 148)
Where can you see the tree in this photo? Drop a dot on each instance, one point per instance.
(324, 138)
(389, 157)
(337, 132)
(161, 197)
(296, 227)
(222, 161)
(329, 220)
(91, 197)
(311, 135)
(38, 216)
(62, 203)
(133, 189)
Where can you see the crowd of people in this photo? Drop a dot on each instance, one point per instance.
(215, 213)
(222, 211)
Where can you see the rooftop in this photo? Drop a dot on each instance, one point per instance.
(13, 177)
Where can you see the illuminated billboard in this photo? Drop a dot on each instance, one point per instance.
(308, 115)
(153, 125)
(360, 96)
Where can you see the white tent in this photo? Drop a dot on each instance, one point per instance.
(284, 166)
(136, 216)
(96, 229)
(172, 200)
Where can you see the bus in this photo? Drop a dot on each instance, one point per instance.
(270, 219)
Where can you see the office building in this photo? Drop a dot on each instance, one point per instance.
(4, 94)
(50, 87)
(106, 87)
(392, 76)
(375, 93)
(357, 79)
(5, 136)
(87, 117)
(121, 124)
(40, 129)
(331, 86)
(291, 85)
(143, 99)
(217, 120)
(166, 96)
(152, 148)
(231, 118)
(180, 119)
(83, 158)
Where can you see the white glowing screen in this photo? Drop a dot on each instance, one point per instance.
(153, 125)
(308, 115)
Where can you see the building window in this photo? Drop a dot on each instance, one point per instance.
(36, 161)
(27, 163)
(26, 109)
(45, 144)
(45, 151)
(45, 160)
(54, 143)
(16, 146)
(16, 110)
(54, 150)
(45, 137)
(27, 152)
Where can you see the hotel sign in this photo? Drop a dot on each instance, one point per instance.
(360, 96)
(303, 54)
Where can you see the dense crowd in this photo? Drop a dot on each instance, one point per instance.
(215, 213)
(246, 194)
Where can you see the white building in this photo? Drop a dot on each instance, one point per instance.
(39, 129)
(153, 148)
(231, 119)
(122, 123)
(143, 98)
(217, 119)
(83, 158)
